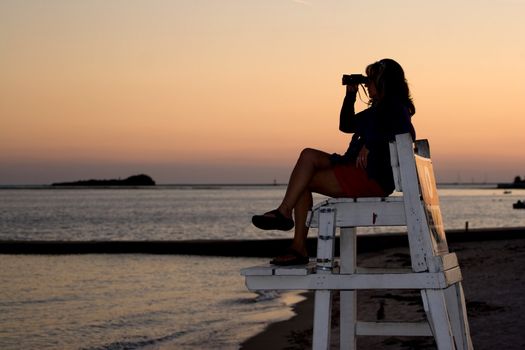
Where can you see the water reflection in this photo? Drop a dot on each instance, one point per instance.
(93, 301)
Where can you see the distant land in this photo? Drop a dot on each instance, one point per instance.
(135, 180)
(518, 183)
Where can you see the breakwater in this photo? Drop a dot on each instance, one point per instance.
(238, 248)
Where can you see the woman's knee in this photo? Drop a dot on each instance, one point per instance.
(311, 155)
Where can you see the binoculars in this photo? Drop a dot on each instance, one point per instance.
(354, 79)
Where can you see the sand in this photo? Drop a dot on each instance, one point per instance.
(494, 285)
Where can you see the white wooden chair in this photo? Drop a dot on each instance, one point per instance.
(434, 271)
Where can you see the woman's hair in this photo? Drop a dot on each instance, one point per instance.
(389, 79)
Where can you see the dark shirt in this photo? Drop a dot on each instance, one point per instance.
(374, 128)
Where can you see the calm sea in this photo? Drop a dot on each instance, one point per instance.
(150, 301)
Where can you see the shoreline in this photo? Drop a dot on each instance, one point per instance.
(239, 248)
(493, 282)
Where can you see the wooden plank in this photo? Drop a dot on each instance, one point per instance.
(347, 319)
(382, 270)
(348, 250)
(435, 307)
(417, 226)
(322, 320)
(331, 201)
(446, 261)
(348, 299)
(394, 161)
(326, 240)
(452, 276)
(295, 270)
(325, 264)
(417, 329)
(458, 316)
(434, 280)
(257, 271)
(269, 270)
(432, 210)
(382, 212)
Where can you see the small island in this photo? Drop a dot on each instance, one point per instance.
(133, 181)
(518, 183)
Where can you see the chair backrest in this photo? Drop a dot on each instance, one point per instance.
(414, 176)
(421, 148)
(428, 189)
(394, 161)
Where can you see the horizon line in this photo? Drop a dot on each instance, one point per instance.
(219, 184)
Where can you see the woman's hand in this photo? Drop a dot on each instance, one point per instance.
(352, 89)
(362, 158)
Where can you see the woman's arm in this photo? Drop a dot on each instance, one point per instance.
(347, 121)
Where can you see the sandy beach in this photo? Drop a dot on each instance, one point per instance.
(493, 282)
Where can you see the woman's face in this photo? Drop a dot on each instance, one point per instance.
(371, 86)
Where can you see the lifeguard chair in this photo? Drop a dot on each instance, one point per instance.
(434, 271)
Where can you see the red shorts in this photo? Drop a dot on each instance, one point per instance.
(355, 182)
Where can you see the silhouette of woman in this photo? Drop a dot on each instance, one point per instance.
(363, 171)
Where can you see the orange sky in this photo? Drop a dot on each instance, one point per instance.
(231, 91)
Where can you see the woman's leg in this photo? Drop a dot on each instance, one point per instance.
(310, 162)
(313, 172)
(300, 229)
(322, 181)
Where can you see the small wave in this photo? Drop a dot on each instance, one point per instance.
(34, 301)
(265, 295)
(262, 296)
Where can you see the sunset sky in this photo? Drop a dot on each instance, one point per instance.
(229, 91)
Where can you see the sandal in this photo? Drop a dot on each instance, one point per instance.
(292, 257)
(272, 220)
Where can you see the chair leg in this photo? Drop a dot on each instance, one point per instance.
(322, 320)
(348, 310)
(325, 264)
(436, 309)
(348, 299)
(457, 313)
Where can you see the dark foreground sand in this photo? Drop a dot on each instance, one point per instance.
(493, 281)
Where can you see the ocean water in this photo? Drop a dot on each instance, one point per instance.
(140, 301)
(186, 212)
(130, 302)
